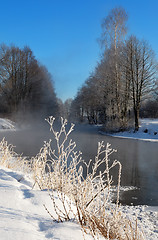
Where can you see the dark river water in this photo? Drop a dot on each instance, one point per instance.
(139, 159)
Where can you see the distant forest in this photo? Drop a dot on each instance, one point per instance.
(124, 84)
(25, 85)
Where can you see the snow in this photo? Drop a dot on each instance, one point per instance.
(6, 124)
(23, 216)
(150, 126)
(22, 212)
(147, 219)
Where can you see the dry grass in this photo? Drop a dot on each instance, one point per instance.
(10, 159)
(86, 199)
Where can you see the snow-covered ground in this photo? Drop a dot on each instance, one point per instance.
(23, 216)
(6, 124)
(148, 131)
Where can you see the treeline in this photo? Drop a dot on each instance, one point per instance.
(25, 85)
(125, 76)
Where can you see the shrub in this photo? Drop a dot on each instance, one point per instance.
(85, 199)
(10, 159)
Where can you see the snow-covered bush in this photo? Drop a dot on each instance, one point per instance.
(10, 159)
(78, 190)
(86, 199)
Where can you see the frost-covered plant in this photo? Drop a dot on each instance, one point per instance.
(83, 197)
(59, 170)
(10, 159)
(87, 199)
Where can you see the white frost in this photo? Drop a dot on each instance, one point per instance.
(6, 124)
(148, 131)
(24, 217)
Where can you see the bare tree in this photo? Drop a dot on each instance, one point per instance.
(67, 107)
(142, 68)
(124, 77)
(24, 83)
(114, 30)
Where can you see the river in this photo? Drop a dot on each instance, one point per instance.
(139, 158)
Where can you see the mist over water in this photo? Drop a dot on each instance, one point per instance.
(138, 158)
(28, 139)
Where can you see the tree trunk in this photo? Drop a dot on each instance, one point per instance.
(136, 115)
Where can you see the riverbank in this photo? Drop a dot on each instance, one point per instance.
(22, 206)
(148, 131)
(24, 217)
(6, 124)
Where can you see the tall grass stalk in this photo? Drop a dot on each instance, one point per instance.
(83, 197)
(78, 190)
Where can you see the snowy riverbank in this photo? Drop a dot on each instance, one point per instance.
(6, 124)
(148, 131)
(24, 217)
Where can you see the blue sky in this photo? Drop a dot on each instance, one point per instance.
(63, 33)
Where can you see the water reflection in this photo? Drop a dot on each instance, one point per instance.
(139, 161)
(138, 158)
